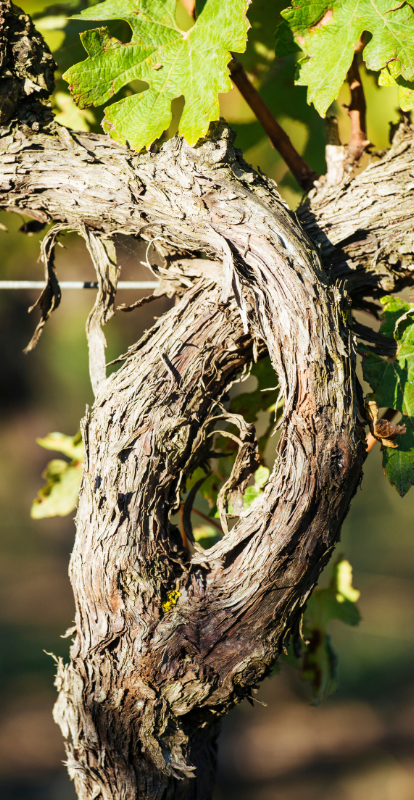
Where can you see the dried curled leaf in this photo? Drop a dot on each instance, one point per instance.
(382, 429)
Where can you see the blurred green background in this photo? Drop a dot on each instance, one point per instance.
(358, 745)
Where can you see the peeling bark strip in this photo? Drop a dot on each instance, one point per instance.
(166, 644)
(103, 257)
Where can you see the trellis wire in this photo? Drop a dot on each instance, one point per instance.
(77, 284)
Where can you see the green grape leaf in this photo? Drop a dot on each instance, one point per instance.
(395, 308)
(390, 76)
(337, 601)
(59, 496)
(285, 42)
(398, 464)
(249, 404)
(172, 62)
(328, 32)
(261, 476)
(392, 379)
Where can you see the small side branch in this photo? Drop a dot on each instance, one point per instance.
(303, 173)
(357, 110)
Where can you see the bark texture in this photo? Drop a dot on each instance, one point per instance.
(363, 226)
(166, 643)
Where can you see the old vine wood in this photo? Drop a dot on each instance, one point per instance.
(167, 642)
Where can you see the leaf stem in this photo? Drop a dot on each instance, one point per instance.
(189, 6)
(304, 175)
(357, 109)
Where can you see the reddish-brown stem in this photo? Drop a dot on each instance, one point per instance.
(182, 529)
(210, 521)
(189, 6)
(357, 110)
(389, 415)
(304, 175)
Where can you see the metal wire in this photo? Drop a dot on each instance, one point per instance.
(77, 284)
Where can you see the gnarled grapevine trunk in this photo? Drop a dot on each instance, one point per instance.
(166, 643)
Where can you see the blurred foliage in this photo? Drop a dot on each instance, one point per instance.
(317, 663)
(249, 405)
(392, 384)
(60, 494)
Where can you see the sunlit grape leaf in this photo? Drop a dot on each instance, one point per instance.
(395, 308)
(261, 476)
(172, 62)
(328, 32)
(390, 76)
(398, 464)
(392, 379)
(71, 446)
(337, 601)
(59, 496)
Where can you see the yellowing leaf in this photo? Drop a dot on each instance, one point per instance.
(59, 496)
(71, 446)
(172, 62)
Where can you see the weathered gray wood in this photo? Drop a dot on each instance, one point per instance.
(146, 684)
(364, 227)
